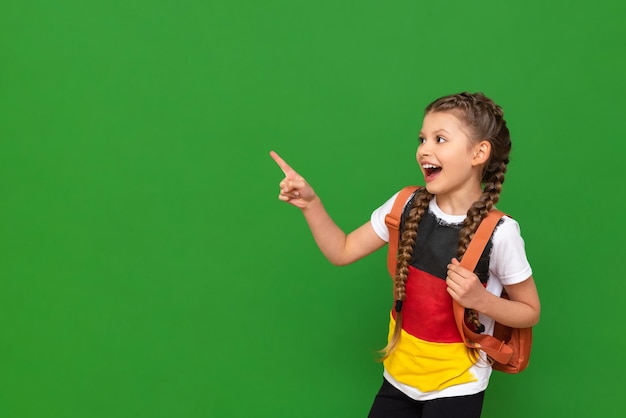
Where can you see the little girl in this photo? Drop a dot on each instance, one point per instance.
(463, 153)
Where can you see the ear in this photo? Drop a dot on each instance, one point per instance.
(482, 152)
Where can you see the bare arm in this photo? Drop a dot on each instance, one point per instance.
(339, 248)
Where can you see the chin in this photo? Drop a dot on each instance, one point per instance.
(431, 189)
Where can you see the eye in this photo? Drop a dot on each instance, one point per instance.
(441, 139)
(421, 139)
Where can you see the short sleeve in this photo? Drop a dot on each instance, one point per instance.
(378, 217)
(508, 258)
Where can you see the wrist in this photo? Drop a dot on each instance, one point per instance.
(486, 303)
(312, 204)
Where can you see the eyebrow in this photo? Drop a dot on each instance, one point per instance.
(438, 131)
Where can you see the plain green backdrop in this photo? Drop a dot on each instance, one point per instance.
(147, 268)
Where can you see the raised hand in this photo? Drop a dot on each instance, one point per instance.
(293, 188)
(464, 286)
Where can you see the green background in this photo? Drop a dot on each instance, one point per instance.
(147, 268)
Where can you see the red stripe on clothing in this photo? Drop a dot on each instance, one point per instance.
(427, 309)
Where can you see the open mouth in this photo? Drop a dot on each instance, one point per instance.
(430, 170)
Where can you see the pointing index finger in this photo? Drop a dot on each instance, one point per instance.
(282, 164)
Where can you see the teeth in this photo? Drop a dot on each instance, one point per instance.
(429, 166)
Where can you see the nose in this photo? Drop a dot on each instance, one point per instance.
(423, 149)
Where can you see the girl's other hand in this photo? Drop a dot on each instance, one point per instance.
(464, 286)
(293, 188)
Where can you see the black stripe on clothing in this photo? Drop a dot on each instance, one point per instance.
(437, 243)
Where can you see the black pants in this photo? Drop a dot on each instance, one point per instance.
(392, 403)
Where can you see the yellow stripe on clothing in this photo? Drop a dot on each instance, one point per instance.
(429, 366)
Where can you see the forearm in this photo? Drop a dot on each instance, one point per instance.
(338, 247)
(511, 313)
(330, 239)
(521, 311)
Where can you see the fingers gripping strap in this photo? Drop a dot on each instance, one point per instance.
(393, 220)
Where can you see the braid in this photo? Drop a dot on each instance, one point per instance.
(486, 120)
(479, 210)
(475, 215)
(405, 254)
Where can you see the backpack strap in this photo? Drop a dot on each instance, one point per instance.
(393, 221)
(494, 348)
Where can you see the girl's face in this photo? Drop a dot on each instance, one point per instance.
(448, 157)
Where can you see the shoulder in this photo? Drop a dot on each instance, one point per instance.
(508, 259)
(508, 229)
(378, 215)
